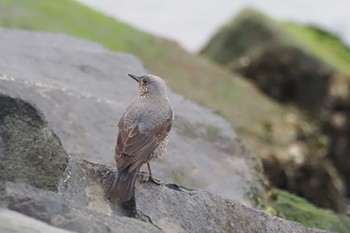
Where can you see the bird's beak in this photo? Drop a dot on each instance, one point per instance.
(135, 77)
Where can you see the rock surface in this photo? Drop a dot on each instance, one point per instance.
(27, 159)
(77, 202)
(80, 206)
(14, 222)
(171, 207)
(57, 211)
(260, 49)
(83, 89)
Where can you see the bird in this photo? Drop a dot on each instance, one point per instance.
(143, 135)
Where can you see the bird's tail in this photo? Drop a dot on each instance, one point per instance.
(121, 186)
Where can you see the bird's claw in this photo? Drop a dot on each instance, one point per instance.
(145, 177)
(156, 181)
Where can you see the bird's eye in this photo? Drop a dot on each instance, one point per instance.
(145, 81)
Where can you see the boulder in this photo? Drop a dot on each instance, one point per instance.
(303, 154)
(289, 75)
(80, 206)
(55, 210)
(260, 49)
(14, 222)
(83, 89)
(31, 152)
(69, 197)
(34, 156)
(171, 207)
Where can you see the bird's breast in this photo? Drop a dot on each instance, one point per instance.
(147, 114)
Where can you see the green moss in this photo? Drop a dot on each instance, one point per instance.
(297, 209)
(325, 45)
(70, 17)
(249, 31)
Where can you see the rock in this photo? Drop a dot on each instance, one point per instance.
(336, 124)
(262, 50)
(14, 222)
(289, 75)
(249, 31)
(74, 200)
(54, 210)
(304, 179)
(31, 152)
(2, 168)
(171, 207)
(33, 155)
(80, 206)
(82, 89)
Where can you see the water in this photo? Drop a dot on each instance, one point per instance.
(192, 23)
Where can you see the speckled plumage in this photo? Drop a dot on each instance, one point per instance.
(143, 134)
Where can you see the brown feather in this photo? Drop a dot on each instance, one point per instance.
(133, 149)
(137, 147)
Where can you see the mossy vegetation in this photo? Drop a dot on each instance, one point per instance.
(325, 45)
(257, 30)
(72, 18)
(249, 31)
(297, 209)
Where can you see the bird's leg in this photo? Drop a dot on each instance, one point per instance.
(150, 178)
(144, 177)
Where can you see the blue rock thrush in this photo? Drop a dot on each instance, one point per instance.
(143, 135)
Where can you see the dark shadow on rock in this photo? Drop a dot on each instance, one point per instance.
(32, 153)
(289, 75)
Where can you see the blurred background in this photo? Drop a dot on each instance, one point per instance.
(279, 72)
(192, 23)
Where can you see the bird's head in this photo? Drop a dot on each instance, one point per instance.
(150, 85)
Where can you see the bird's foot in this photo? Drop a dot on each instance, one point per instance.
(155, 180)
(144, 177)
(142, 173)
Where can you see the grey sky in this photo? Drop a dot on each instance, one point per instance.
(192, 23)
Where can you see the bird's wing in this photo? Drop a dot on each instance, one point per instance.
(135, 148)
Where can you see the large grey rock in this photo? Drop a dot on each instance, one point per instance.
(30, 152)
(170, 207)
(52, 209)
(82, 89)
(33, 155)
(14, 222)
(80, 205)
